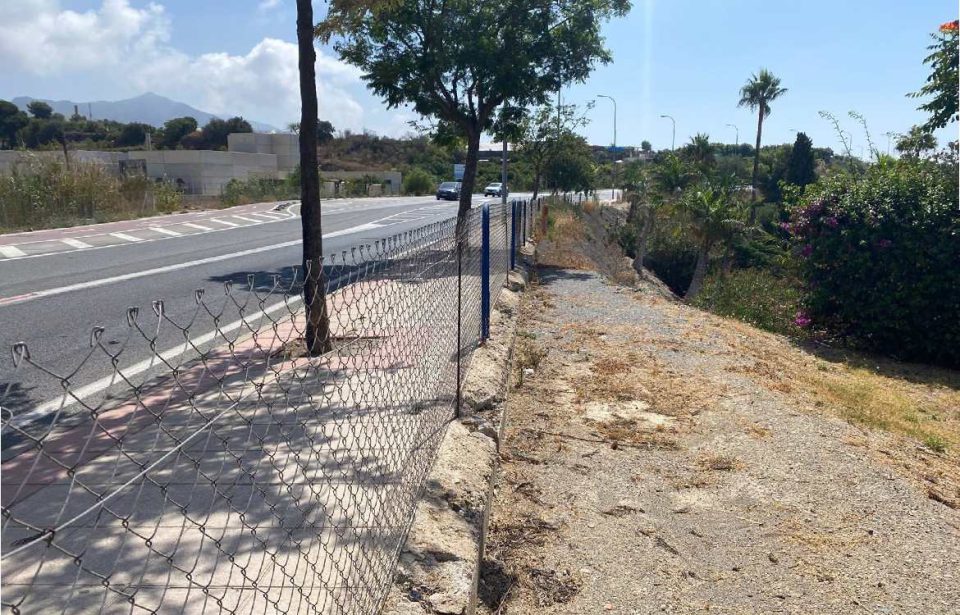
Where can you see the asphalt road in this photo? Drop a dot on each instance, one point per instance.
(53, 302)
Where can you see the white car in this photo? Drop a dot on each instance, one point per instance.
(496, 189)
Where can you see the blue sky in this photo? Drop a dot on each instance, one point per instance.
(686, 58)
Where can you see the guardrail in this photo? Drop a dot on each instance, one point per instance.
(235, 473)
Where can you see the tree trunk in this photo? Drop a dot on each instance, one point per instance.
(536, 183)
(699, 272)
(469, 172)
(642, 241)
(756, 168)
(726, 265)
(317, 337)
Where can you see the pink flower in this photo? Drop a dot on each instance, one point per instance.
(806, 251)
(832, 222)
(802, 320)
(786, 227)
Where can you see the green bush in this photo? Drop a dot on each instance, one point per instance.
(755, 296)
(45, 193)
(880, 258)
(418, 182)
(260, 189)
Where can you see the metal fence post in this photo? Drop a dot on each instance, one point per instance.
(485, 274)
(513, 235)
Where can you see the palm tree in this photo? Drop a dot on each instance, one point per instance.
(700, 150)
(716, 217)
(757, 93)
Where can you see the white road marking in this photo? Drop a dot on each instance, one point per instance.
(125, 237)
(165, 231)
(268, 216)
(199, 227)
(76, 243)
(11, 251)
(250, 220)
(232, 224)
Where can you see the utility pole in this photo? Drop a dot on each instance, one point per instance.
(614, 142)
(673, 141)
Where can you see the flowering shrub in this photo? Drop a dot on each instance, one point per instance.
(879, 256)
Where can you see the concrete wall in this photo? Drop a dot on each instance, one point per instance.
(285, 146)
(205, 172)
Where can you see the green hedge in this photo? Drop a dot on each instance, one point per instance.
(880, 258)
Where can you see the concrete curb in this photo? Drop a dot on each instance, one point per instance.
(439, 568)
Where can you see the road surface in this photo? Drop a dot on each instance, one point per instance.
(56, 286)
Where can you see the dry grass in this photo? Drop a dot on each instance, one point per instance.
(891, 404)
(719, 463)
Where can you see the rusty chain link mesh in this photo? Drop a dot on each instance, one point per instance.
(234, 473)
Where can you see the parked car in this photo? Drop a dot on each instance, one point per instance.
(449, 191)
(495, 189)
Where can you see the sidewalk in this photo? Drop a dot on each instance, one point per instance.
(660, 459)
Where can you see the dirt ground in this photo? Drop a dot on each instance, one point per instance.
(661, 459)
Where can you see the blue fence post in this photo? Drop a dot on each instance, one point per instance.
(523, 225)
(485, 274)
(513, 235)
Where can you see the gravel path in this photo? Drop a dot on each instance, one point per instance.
(659, 459)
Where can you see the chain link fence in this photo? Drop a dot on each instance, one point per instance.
(236, 473)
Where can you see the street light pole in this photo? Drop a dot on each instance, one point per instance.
(614, 141)
(673, 141)
(738, 134)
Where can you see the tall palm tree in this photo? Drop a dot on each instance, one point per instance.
(757, 93)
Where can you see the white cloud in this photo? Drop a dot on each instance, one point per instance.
(266, 5)
(131, 47)
(36, 36)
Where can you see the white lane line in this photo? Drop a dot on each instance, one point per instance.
(199, 227)
(250, 220)
(231, 224)
(125, 237)
(268, 216)
(76, 243)
(138, 368)
(176, 267)
(11, 251)
(139, 274)
(165, 231)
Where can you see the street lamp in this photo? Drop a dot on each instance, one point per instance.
(738, 134)
(614, 141)
(673, 141)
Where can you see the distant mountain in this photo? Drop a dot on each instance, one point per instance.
(148, 108)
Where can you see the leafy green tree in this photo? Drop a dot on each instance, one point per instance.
(801, 166)
(176, 129)
(459, 61)
(942, 82)
(715, 216)
(538, 133)
(760, 90)
(570, 166)
(645, 145)
(216, 131)
(194, 140)
(916, 143)
(133, 134)
(40, 109)
(325, 130)
(12, 119)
